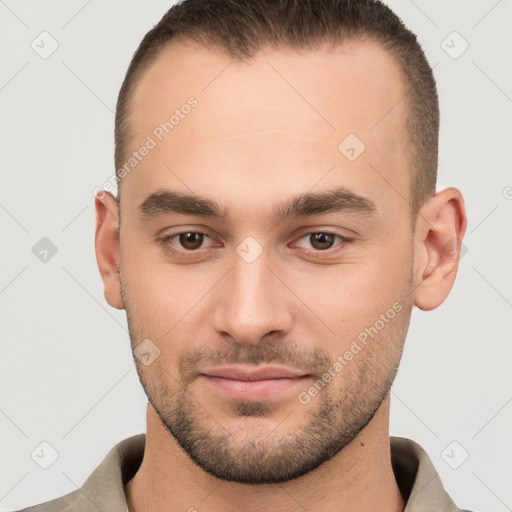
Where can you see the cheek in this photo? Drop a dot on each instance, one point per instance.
(166, 299)
(347, 299)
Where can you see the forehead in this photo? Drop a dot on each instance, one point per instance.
(273, 122)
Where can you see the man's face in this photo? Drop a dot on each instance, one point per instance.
(302, 291)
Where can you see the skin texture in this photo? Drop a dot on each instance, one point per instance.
(261, 133)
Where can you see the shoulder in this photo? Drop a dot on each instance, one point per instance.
(104, 488)
(74, 501)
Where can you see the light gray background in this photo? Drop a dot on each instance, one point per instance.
(67, 374)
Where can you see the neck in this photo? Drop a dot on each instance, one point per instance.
(359, 477)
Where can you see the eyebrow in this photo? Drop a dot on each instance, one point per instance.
(164, 202)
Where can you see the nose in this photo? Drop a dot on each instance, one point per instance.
(252, 302)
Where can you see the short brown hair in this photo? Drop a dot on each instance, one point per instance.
(242, 27)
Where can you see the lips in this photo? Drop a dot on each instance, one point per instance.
(264, 373)
(260, 384)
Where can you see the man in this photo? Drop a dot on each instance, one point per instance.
(276, 221)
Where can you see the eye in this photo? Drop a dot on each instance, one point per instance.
(189, 240)
(193, 241)
(322, 240)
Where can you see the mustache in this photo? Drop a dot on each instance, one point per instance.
(312, 361)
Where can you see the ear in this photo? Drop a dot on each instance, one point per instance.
(440, 228)
(107, 246)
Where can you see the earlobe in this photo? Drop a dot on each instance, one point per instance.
(440, 228)
(107, 247)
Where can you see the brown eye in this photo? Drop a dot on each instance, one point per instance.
(191, 240)
(321, 241)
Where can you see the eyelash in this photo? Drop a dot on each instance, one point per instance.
(165, 242)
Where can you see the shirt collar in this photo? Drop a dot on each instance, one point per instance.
(417, 478)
